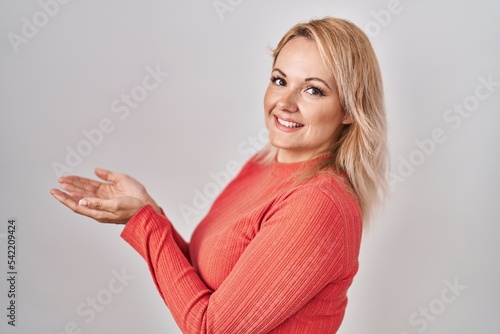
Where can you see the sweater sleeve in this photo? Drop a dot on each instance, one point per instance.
(181, 243)
(300, 248)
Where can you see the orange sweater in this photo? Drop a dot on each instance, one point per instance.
(271, 256)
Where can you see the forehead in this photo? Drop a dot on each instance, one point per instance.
(300, 57)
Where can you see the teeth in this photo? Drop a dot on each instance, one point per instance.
(289, 124)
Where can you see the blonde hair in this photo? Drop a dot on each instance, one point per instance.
(361, 149)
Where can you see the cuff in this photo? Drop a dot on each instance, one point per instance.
(140, 226)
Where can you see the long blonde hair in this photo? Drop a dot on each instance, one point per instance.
(361, 148)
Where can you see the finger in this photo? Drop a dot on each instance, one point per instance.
(76, 191)
(92, 208)
(107, 175)
(77, 196)
(81, 182)
(70, 187)
(64, 198)
(98, 204)
(71, 203)
(101, 210)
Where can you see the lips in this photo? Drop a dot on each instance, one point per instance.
(289, 124)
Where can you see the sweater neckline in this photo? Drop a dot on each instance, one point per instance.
(287, 169)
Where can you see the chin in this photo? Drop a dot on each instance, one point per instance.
(279, 142)
(283, 146)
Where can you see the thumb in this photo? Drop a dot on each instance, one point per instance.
(106, 175)
(96, 204)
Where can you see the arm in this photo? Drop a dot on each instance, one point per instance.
(113, 201)
(300, 249)
(178, 239)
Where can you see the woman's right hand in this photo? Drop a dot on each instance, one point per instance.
(117, 185)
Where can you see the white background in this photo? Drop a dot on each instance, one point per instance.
(440, 225)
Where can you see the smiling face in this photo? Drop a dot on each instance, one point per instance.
(302, 107)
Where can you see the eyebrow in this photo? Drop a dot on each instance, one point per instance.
(306, 79)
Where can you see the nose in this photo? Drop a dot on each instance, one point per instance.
(288, 101)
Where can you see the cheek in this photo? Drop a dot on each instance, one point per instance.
(326, 119)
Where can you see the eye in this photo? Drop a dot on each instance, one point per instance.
(278, 81)
(314, 91)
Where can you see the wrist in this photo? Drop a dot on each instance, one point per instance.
(150, 201)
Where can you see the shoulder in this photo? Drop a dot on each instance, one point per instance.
(322, 202)
(329, 190)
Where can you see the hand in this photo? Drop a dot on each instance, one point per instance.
(117, 210)
(118, 185)
(118, 197)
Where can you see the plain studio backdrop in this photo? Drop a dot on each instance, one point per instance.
(171, 92)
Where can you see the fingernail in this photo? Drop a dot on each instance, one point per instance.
(83, 202)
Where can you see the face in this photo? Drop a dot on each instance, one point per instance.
(302, 107)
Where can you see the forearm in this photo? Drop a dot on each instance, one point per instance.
(153, 237)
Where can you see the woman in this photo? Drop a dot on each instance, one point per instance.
(279, 248)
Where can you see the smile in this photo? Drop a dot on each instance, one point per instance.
(290, 125)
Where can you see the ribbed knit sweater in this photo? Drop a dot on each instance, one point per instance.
(271, 256)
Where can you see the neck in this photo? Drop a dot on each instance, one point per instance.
(287, 157)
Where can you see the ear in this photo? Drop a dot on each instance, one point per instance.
(347, 119)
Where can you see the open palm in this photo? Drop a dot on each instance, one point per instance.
(117, 185)
(113, 201)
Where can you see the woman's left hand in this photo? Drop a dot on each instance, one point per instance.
(114, 210)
